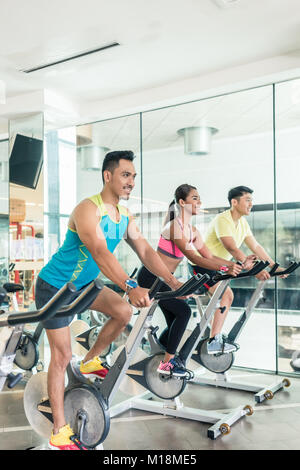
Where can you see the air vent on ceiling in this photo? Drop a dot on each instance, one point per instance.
(91, 157)
(226, 3)
(197, 140)
(67, 59)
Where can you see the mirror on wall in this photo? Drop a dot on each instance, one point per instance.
(93, 142)
(287, 132)
(216, 144)
(26, 200)
(73, 162)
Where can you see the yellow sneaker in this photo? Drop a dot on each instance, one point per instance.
(93, 369)
(62, 440)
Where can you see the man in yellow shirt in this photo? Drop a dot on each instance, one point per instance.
(226, 233)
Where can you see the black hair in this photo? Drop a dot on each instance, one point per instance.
(181, 192)
(112, 159)
(237, 192)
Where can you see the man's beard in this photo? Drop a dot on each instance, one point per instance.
(126, 196)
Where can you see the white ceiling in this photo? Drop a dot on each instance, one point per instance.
(248, 112)
(160, 42)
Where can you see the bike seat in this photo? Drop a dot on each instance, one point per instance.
(12, 287)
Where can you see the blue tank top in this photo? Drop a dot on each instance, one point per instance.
(73, 262)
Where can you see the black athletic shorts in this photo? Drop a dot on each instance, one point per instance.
(43, 293)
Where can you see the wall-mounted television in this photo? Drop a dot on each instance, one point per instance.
(26, 161)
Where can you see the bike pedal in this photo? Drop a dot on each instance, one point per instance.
(97, 381)
(189, 376)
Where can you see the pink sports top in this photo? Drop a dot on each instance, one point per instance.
(169, 248)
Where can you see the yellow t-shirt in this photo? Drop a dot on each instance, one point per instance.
(223, 225)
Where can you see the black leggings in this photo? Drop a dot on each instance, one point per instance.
(176, 311)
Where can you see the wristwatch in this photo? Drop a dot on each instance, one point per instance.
(130, 284)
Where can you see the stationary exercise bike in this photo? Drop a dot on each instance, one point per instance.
(221, 364)
(27, 353)
(86, 336)
(5, 301)
(11, 328)
(170, 388)
(6, 375)
(86, 403)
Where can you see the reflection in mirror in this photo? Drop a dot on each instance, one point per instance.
(216, 144)
(287, 99)
(26, 203)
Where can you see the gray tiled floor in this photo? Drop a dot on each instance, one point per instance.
(275, 423)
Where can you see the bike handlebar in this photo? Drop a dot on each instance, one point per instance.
(133, 273)
(56, 306)
(46, 312)
(273, 269)
(154, 289)
(83, 300)
(257, 268)
(291, 268)
(188, 288)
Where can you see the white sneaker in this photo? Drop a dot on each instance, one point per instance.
(218, 346)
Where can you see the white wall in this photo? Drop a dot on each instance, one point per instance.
(288, 165)
(88, 183)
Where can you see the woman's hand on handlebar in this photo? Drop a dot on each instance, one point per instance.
(176, 285)
(234, 269)
(139, 297)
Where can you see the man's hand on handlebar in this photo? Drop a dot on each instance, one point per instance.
(284, 276)
(263, 275)
(139, 297)
(249, 262)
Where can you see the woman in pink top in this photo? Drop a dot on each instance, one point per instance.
(180, 239)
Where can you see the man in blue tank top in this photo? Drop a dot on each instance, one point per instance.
(95, 228)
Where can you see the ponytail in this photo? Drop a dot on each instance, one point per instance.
(171, 213)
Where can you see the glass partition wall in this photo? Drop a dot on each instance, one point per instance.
(26, 201)
(244, 138)
(215, 145)
(287, 151)
(73, 159)
(94, 142)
